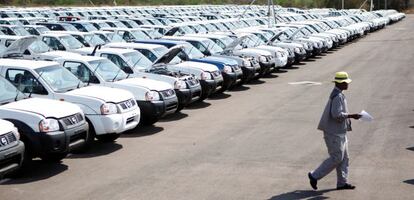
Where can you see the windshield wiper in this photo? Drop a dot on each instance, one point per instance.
(93, 73)
(78, 86)
(135, 64)
(17, 94)
(31, 91)
(120, 69)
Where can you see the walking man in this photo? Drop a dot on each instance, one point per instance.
(334, 123)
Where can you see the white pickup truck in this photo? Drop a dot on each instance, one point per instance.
(186, 86)
(154, 98)
(108, 111)
(49, 129)
(11, 148)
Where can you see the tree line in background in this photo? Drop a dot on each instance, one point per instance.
(378, 4)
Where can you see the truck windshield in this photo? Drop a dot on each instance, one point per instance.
(107, 70)
(136, 59)
(94, 40)
(71, 42)
(8, 92)
(58, 78)
(20, 31)
(212, 47)
(39, 47)
(140, 35)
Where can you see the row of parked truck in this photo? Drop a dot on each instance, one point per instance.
(69, 76)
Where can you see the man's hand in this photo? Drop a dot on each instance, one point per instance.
(354, 116)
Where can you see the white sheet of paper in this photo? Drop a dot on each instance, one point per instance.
(365, 116)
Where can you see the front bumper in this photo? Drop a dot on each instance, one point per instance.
(158, 109)
(229, 80)
(248, 73)
(60, 141)
(115, 123)
(11, 159)
(187, 96)
(300, 57)
(265, 68)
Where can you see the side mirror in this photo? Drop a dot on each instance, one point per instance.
(93, 79)
(38, 89)
(128, 70)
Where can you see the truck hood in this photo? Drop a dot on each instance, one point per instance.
(45, 107)
(227, 60)
(235, 43)
(18, 46)
(200, 65)
(85, 51)
(147, 83)
(249, 51)
(169, 55)
(6, 126)
(105, 94)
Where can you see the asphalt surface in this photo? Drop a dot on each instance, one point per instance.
(260, 141)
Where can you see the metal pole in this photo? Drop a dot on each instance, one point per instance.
(371, 6)
(268, 13)
(274, 13)
(342, 4)
(385, 5)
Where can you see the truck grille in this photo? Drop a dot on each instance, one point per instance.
(127, 104)
(192, 81)
(73, 119)
(167, 93)
(216, 73)
(7, 138)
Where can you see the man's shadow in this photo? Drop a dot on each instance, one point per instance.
(303, 194)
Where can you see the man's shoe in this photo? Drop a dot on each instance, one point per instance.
(313, 182)
(346, 187)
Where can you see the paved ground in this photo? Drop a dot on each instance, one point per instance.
(259, 142)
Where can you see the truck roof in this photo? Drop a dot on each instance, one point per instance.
(29, 64)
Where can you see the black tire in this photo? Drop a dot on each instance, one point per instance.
(54, 157)
(180, 107)
(108, 137)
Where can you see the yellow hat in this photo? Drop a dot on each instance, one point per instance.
(341, 77)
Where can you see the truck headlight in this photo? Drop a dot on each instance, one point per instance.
(205, 76)
(48, 125)
(297, 50)
(108, 108)
(227, 69)
(16, 133)
(262, 59)
(247, 63)
(180, 85)
(152, 96)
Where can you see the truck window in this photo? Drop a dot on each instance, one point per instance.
(80, 71)
(118, 61)
(147, 53)
(25, 81)
(53, 43)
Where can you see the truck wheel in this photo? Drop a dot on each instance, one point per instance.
(179, 108)
(108, 137)
(54, 157)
